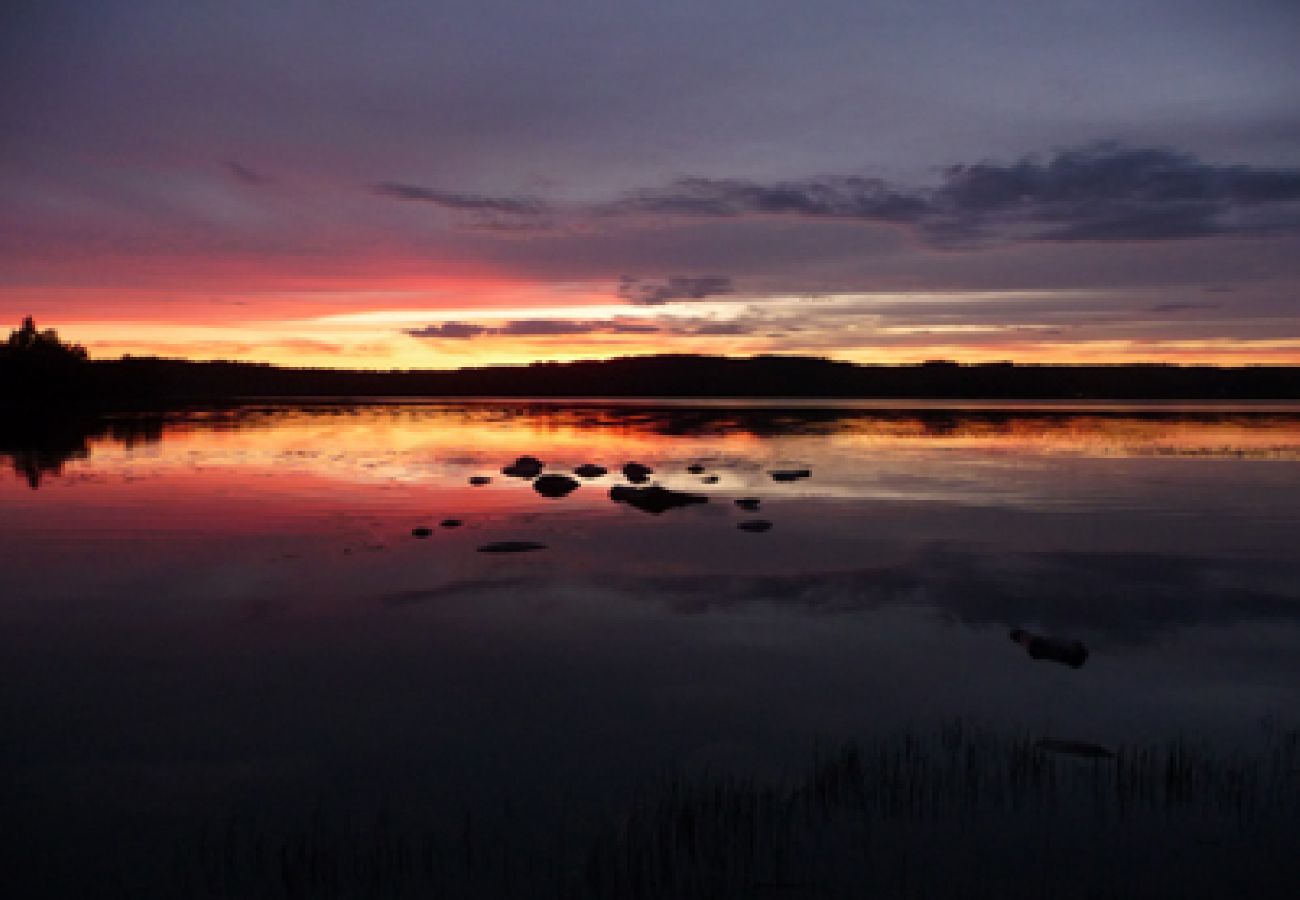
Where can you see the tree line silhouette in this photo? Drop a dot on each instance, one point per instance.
(40, 375)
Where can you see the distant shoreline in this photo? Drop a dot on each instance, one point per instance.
(864, 404)
(147, 383)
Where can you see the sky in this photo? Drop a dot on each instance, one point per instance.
(398, 184)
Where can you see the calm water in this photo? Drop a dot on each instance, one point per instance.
(223, 617)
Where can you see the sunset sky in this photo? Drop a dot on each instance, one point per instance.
(428, 184)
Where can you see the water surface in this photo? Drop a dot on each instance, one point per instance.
(224, 613)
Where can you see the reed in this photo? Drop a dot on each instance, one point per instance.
(960, 811)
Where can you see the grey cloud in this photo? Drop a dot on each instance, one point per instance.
(246, 174)
(534, 328)
(527, 206)
(1100, 192)
(455, 330)
(841, 198)
(544, 327)
(1109, 171)
(1108, 192)
(562, 327)
(734, 327)
(1180, 306)
(680, 287)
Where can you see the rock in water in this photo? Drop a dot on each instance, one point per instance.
(790, 474)
(695, 468)
(511, 547)
(451, 523)
(421, 532)
(755, 525)
(654, 499)
(590, 470)
(524, 467)
(637, 473)
(479, 480)
(1062, 650)
(749, 504)
(709, 479)
(555, 486)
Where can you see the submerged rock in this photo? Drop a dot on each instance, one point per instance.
(451, 523)
(637, 473)
(1062, 650)
(654, 499)
(590, 470)
(480, 480)
(555, 486)
(755, 525)
(511, 547)
(749, 504)
(790, 474)
(524, 467)
(422, 531)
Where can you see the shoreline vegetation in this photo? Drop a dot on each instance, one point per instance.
(40, 375)
(958, 811)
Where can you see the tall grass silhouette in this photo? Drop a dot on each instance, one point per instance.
(959, 812)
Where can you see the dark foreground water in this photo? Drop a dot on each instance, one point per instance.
(229, 669)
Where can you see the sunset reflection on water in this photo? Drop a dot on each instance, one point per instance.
(238, 610)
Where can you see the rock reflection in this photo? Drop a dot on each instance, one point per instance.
(555, 486)
(523, 467)
(654, 499)
(1055, 649)
(637, 473)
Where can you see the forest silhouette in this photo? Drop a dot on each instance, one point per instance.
(43, 376)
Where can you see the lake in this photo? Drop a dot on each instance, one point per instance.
(229, 668)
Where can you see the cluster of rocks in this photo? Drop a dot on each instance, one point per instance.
(424, 531)
(638, 494)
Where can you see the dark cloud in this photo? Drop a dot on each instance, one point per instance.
(724, 327)
(1100, 192)
(1180, 306)
(681, 287)
(840, 198)
(535, 328)
(687, 327)
(1108, 192)
(524, 206)
(1109, 171)
(545, 327)
(455, 330)
(245, 174)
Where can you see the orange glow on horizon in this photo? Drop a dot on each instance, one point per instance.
(366, 328)
(383, 349)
